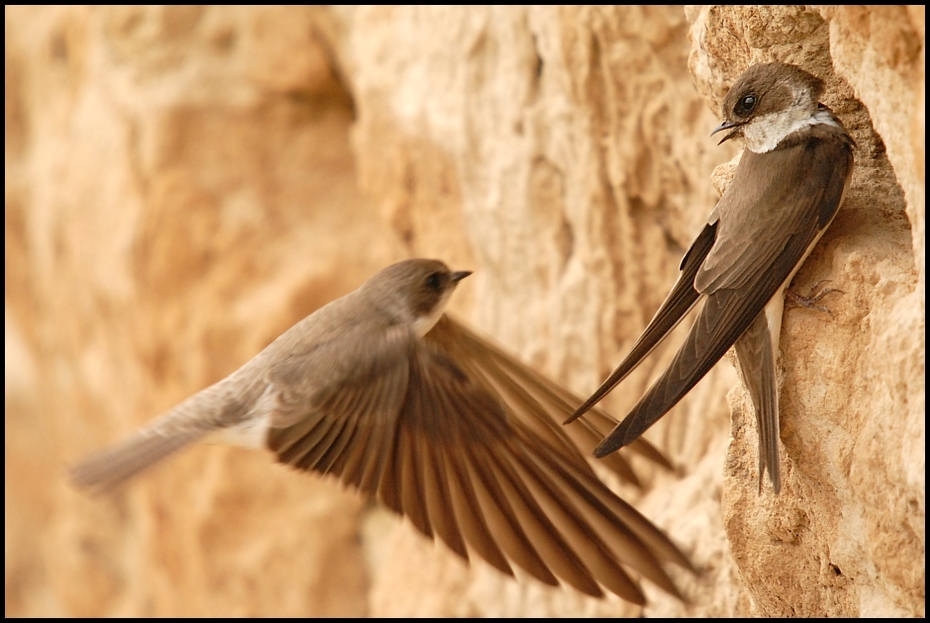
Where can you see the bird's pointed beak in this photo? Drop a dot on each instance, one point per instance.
(726, 125)
(459, 275)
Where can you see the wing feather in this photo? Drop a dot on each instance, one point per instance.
(529, 395)
(674, 308)
(471, 456)
(773, 212)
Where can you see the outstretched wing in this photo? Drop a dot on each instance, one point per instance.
(425, 432)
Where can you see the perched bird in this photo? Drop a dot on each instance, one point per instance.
(384, 392)
(787, 188)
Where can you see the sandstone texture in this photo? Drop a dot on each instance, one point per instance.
(184, 183)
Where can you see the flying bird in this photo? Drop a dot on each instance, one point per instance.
(384, 392)
(787, 188)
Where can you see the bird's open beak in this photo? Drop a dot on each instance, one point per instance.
(459, 275)
(726, 125)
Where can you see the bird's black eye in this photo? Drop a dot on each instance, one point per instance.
(434, 281)
(745, 105)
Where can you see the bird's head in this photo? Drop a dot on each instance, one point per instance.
(418, 288)
(767, 103)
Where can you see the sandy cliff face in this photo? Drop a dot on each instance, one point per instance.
(182, 184)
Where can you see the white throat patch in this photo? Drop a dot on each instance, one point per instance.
(423, 324)
(765, 133)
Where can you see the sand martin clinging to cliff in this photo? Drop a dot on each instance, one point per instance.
(787, 188)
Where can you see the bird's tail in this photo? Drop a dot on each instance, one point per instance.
(110, 468)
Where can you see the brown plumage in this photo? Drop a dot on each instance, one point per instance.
(383, 392)
(787, 188)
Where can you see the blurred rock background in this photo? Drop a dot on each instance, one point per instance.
(184, 183)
